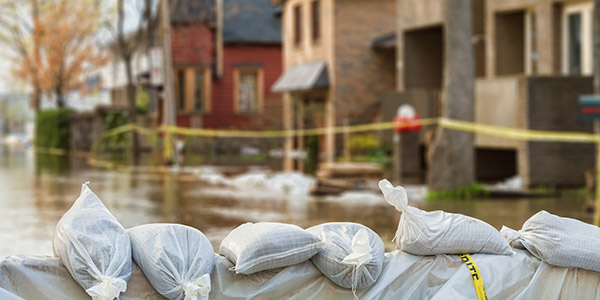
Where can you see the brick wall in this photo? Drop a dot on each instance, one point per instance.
(550, 103)
(192, 44)
(222, 114)
(362, 73)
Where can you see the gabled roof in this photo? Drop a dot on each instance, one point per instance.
(193, 11)
(251, 21)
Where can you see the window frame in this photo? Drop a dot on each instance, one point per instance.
(316, 26)
(259, 89)
(586, 10)
(190, 90)
(297, 24)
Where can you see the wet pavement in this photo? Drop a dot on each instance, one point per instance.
(36, 190)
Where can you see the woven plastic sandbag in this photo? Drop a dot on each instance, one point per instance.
(437, 232)
(94, 247)
(176, 259)
(352, 255)
(254, 247)
(559, 241)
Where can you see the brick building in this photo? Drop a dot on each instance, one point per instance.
(533, 58)
(224, 81)
(334, 74)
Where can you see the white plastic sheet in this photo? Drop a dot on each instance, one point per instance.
(437, 232)
(404, 276)
(94, 247)
(176, 259)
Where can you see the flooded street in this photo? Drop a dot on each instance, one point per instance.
(36, 190)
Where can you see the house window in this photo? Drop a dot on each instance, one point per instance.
(181, 87)
(531, 55)
(248, 90)
(297, 25)
(574, 41)
(577, 39)
(192, 88)
(316, 20)
(199, 91)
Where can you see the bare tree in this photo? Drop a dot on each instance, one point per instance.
(16, 31)
(127, 45)
(452, 155)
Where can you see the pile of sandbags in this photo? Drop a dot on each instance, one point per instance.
(178, 260)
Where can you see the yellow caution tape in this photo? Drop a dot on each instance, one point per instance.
(498, 131)
(475, 275)
(203, 132)
(520, 134)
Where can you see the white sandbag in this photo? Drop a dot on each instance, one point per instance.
(559, 241)
(94, 247)
(254, 247)
(352, 255)
(176, 259)
(437, 232)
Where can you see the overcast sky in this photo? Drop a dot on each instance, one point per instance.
(8, 84)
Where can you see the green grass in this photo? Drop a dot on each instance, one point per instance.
(470, 191)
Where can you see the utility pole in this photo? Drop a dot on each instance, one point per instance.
(596, 60)
(169, 94)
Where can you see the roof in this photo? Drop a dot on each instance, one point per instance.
(303, 77)
(193, 11)
(251, 21)
(386, 41)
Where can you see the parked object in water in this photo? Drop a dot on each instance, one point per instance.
(559, 241)
(429, 233)
(336, 178)
(94, 247)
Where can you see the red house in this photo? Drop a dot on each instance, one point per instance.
(225, 61)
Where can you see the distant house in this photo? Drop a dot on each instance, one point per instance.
(15, 113)
(533, 58)
(226, 86)
(333, 73)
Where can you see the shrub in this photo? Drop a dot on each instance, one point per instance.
(142, 103)
(113, 120)
(364, 144)
(52, 128)
(465, 192)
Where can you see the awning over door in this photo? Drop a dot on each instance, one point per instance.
(303, 77)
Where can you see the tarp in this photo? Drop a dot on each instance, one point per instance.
(404, 276)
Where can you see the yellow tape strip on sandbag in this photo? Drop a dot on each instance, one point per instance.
(475, 275)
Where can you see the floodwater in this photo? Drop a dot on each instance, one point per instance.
(36, 190)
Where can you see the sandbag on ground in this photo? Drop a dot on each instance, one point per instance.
(255, 247)
(176, 259)
(437, 232)
(559, 241)
(352, 254)
(94, 247)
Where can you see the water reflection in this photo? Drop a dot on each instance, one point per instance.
(36, 190)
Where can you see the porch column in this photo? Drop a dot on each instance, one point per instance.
(288, 143)
(329, 123)
(299, 105)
